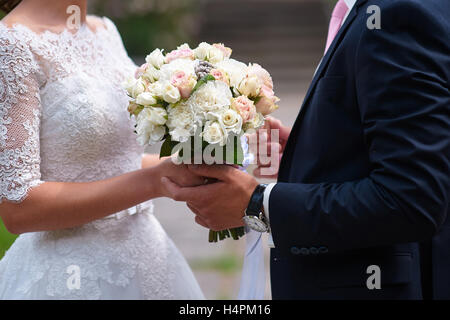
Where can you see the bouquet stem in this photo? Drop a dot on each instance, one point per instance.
(235, 233)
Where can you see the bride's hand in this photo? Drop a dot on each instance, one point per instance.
(179, 174)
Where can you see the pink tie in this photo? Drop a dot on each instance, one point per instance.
(337, 17)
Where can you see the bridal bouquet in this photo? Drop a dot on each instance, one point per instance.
(200, 103)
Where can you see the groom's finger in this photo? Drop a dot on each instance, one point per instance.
(220, 172)
(195, 210)
(201, 222)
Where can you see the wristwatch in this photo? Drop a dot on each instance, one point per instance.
(254, 218)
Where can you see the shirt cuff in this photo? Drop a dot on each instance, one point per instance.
(267, 192)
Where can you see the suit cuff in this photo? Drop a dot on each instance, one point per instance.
(266, 210)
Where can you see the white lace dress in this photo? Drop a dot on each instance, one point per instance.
(63, 118)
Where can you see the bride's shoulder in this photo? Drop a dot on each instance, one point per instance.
(15, 48)
(98, 23)
(14, 30)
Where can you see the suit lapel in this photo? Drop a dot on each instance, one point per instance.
(323, 65)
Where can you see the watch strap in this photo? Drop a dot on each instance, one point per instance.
(256, 201)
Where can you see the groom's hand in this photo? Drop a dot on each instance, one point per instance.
(219, 205)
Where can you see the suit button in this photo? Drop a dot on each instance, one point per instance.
(295, 250)
(314, 250)
(304, 251)
(323, 250)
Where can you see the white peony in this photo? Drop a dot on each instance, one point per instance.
(170, 94)
(213, 96)
(155, 59)
(181, 122)
(146, 99)
(214, 133)
(150, 127)
(158, 115)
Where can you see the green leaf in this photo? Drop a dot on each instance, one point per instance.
(167, 147)
(202, 81)
(138, 110)
(237, 154)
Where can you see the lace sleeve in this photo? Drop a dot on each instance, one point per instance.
(19, 119)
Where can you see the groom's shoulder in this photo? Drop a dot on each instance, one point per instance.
(403, 8)
(415, 16)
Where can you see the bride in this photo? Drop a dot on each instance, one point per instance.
(73, 182)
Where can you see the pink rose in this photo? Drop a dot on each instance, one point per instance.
(220, 76)
(183, 83)
(267, 105)
(140, 71)
(182, 53)
(262, 75)
(226, 51)
(245, 107)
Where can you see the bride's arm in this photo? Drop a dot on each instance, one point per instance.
(26, 203)
(57, 205)
(150, 160)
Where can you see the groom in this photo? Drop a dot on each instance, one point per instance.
(361, 203)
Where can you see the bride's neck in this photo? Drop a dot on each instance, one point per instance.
(55, 12)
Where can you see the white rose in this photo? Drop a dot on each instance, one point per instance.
(250, 86)
(171, 94)
(158, 116)
(146, 99)
(156, 89)
(129, 84)
(185, 65)
(156, 58)
(137, 88)
(231, 120)
(152, 74)
(157, 134)
(214, 133)
(202, 51)
(215, 55)
(235, 69)
(255, 123)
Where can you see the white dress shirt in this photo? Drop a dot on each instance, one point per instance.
(350, 4)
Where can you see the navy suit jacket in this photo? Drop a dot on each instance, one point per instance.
(364, 179)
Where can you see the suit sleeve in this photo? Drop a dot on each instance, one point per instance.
(403, 95)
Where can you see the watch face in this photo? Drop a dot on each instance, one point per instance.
(256, 224)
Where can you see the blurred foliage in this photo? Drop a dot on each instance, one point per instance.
(149, 24)
(226, 264)
(6, 239)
